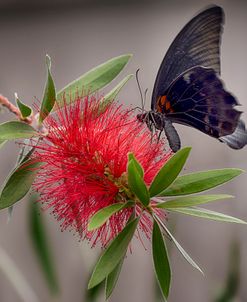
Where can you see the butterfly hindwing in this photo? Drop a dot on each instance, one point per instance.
(197, 44)
(238, 139)
(197, 98)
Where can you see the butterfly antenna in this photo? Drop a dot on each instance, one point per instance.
(133, 109)
(139, 87)
(145, 97)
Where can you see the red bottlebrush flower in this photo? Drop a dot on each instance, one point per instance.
(85, 159)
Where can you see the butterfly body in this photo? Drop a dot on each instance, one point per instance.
(188, 89)
(160, 122)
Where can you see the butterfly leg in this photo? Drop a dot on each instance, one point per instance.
(148, 122)
(159, 135)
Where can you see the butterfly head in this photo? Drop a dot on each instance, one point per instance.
(154, 120)
(145, 118)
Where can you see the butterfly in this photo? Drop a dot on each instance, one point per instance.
(188, 89)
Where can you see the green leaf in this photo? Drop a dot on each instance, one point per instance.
(49, 97)
(189, 201)
(161, 261)
(179, 247)
(137, 184)
(2, 142)
(169, 172)
(200, 181)
(25, 110)
(113, 254)
(43, 251)
(112, 279)
(24, 154)
(98, 219)
(110, 96)
(18, 183)
(16, 130)
(138, 166)
(208, 214)
(94, 79)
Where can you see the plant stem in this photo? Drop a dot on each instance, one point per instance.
(12, 108)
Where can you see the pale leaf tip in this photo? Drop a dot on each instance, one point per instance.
(199, 269)
(187, 148)
(242, 221)
(91, 283)
(126, 56)
(48, 61)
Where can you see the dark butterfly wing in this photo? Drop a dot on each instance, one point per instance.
(238, 139)
(197, 44)
(197, 98)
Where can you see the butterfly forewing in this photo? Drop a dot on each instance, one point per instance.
(197, 44)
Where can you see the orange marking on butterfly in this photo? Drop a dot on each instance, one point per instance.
(163, 104)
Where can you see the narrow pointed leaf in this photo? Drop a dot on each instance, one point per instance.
(169, 172)
(200, 181)
(98, 219)
(25, 110)
(24, 155)
(110, 96)
(189, 201)
(112, 279)
(40, 242)
(179, 247)
(94, 79)
(138, 166)
(16, 130)
(18, 183)
(49, 97)
(161, 261)
(137, 184)
(113, 254)
(208, 214)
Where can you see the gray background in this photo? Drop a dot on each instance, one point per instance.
(79, 35)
